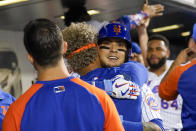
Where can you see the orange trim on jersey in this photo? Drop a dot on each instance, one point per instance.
(168, 89)
(13, 117)
(4, 110)
(90, 45)
(112, 119)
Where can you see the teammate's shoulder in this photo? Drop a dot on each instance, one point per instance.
(89, 87)
(6, 97)
(93, 73)
(186, 66)
(19, 105)
(189, 63)
(133, 64)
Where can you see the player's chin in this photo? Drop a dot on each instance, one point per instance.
(113, 64)
(154, 62)
(110, 63)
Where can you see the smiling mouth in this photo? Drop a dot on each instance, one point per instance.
(113, 58)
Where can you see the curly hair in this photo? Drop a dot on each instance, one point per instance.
(78, 35)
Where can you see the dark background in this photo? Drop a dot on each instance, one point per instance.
(14, 17)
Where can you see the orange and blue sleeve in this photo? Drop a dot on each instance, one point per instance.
(112, 118)
(168, 89)
(13, 117)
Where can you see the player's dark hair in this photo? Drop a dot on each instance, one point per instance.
(43, 41)
(160, 37)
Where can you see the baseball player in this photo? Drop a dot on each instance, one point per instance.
(157, 53)
(170, 110)
(180, 79)
(58, 101)
(110, 43)
(82, 55)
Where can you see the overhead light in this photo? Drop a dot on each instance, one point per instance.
(93, 12)
(185, 33)
(9, 2)
(62, 17)
(90, 12)
(166, 28)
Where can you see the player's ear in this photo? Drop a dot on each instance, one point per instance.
(64, 47)
(97, 46)
(168, 53)
(30, 58)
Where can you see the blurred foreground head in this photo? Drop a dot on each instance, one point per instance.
(82, 49)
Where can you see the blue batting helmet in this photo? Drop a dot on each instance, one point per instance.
(194, 32)
(115, 30)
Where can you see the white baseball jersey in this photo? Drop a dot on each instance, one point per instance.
(150, 106)
(170, 110)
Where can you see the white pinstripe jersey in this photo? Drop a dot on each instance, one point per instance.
(150, 107)
(170, 110)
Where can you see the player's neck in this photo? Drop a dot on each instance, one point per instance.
(94, 65)
(53, 73)
(160, 70)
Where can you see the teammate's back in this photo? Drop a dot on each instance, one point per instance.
(182, 80)
(64, 104)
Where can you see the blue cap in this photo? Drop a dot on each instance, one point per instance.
(194, 32)
(115, 30)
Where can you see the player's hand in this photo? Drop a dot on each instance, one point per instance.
(136, 57)
(182, 57)
(124, 89)
(185, 55)
(153, 10)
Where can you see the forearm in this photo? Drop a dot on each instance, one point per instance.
(143, 40)
(139, 126)
(132, 21)
(173, 66)
(148, 11)
(150, 126)
(132, 126)
(182, 58)
(137, 19)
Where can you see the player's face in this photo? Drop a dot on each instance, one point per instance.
(112, 54)
(157, 53)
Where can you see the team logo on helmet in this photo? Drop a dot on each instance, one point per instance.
(117, 29)
(151, 102)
